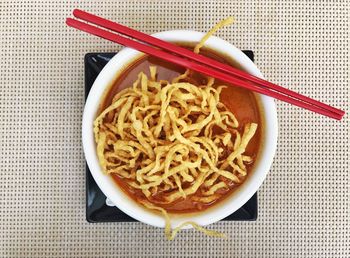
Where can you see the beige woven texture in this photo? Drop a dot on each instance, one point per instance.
(304, 201)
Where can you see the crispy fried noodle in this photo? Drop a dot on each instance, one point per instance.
(173, 138)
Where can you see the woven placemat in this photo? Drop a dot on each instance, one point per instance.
(304, 202)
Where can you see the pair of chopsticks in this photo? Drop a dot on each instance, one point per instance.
(199, 63)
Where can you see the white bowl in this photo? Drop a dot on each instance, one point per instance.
(219, 211)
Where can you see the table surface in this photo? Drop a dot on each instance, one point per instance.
(304, 201)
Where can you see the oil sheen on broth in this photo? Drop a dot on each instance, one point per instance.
(240, 102)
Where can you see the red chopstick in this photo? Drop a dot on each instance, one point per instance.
(324, 110)
(193, 56)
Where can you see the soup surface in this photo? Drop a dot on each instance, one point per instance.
(240, 102)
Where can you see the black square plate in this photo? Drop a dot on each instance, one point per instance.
(96, 208)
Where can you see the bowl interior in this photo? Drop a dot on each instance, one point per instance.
(219, 211)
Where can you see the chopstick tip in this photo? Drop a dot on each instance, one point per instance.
(69, 21)
(76, 12)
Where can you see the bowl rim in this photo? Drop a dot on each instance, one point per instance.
(117, 196)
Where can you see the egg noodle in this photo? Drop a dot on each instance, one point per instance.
(169, 139)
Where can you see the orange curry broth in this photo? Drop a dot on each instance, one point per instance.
(240, 102)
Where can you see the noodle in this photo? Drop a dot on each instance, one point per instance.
(161, 138)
